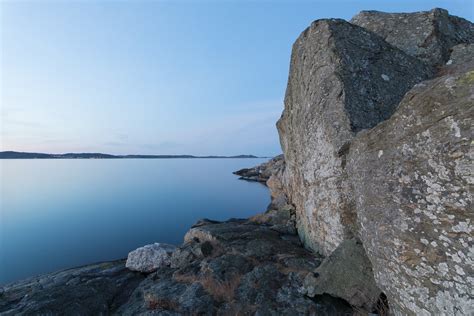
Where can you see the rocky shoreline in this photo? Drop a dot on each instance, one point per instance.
(240, 266)
(371, 209)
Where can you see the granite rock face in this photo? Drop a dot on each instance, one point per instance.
(364, 160)
(425, 35)
(343, 79)
(150, 257)
(413, 192)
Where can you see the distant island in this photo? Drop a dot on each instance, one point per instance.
(26, 155)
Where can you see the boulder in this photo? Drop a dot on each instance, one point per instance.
(412, 180)
(346, 273)
(150, 257)
(343, 79)
(427, 35)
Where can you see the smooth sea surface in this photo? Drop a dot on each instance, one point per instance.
(57, 214)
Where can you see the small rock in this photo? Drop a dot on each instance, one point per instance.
(150, 257)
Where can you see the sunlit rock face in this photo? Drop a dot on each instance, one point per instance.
(413, 193)
(343, 79)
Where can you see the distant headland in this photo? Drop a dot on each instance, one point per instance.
(27, 155)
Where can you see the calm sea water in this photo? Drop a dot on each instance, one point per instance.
(56, 214)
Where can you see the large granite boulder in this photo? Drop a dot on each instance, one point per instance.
(426, 35)
(412, 179)
(150, 257)
(343, 79)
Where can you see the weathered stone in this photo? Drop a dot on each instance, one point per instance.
(346, 273)
(412, 178)
(90, 290)
(343, 79)
(426, 35)
(150, 257)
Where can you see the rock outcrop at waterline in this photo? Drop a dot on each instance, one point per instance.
(262, 172)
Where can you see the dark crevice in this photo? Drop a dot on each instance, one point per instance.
(381, 307)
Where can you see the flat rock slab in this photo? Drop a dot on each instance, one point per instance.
(90, 290)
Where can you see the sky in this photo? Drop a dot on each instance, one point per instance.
(156, 77)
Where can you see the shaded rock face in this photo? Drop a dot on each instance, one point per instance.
(343, 79)
(413, 192)
(150, 257)
(97, 289)
(425, 35)
(347, 274)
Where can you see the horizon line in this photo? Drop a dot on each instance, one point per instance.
(129, 155)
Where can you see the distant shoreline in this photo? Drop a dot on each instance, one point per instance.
(27, 155)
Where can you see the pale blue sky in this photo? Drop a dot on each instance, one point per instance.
(156, 77)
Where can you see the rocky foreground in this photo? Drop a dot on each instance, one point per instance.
(371, 203)
(235, 267)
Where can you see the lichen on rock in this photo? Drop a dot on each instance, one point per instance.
(343, 79)
(414, 201)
